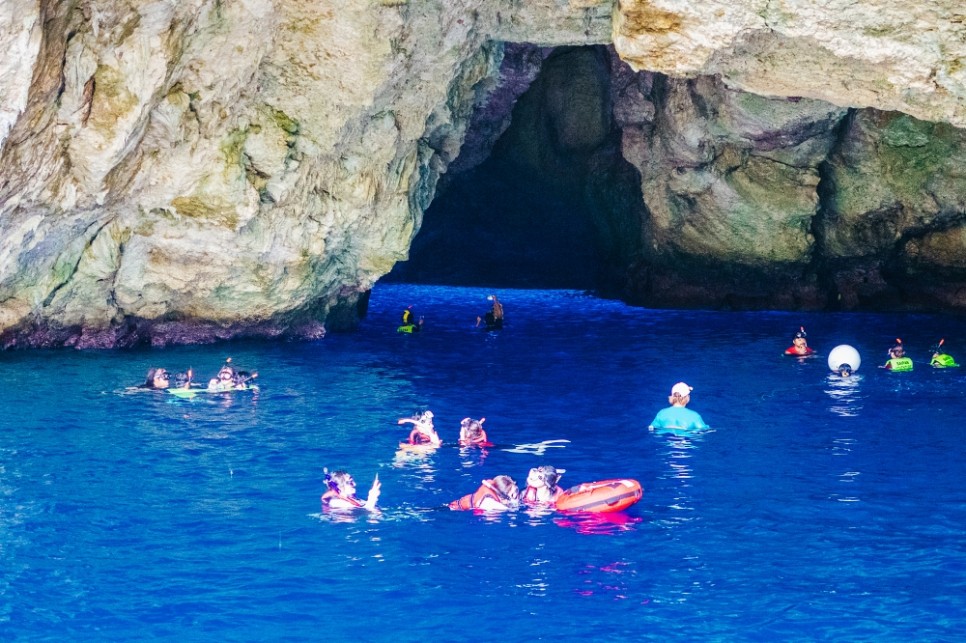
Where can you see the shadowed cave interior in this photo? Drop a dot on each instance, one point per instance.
(554, 205)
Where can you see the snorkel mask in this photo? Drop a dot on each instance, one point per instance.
(897, 350)
(546, 474)
(331, 480)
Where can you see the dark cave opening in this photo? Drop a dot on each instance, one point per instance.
(554, 204)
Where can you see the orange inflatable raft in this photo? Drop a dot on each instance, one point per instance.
(605, 496)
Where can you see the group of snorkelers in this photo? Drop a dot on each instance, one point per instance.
(228, 378)
(424, 432)
(898, 360)
(490, 320)
(677, 416)
(499, 493)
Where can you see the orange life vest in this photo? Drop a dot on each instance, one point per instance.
(479, 440)
(529, 496)
(475, 499)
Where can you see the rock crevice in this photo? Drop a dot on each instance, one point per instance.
(253, 167)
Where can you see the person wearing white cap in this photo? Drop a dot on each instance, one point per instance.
(677, 416)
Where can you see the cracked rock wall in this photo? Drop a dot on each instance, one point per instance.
(182, 172)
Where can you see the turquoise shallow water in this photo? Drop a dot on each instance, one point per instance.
(815, 508)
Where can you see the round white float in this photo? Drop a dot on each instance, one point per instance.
(844, 354)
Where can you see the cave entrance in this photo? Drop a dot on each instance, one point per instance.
(552, 203)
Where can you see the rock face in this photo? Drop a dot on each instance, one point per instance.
(183, 172)
(888, 54)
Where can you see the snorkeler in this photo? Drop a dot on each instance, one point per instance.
(498, 494)
(493, 318)
(941, 359)
(898, 362)
(341, 492)
(542, 488)
(423, 430)
(677, 416)
(224, 380)
(160, 379)
(472, 433)
(157, 378)
(229, 379)
(409, 322)
(799, 345)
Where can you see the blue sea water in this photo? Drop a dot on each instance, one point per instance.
(815, 508)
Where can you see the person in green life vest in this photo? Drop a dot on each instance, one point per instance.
(898, 362)
(940, 359)
(409, 322)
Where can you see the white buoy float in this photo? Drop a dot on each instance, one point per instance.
(843, 354)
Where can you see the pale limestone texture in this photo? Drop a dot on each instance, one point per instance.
(731, 178)
(202, 169)
(888, 54)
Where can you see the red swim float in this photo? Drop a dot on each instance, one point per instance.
(791, 350)
(605, 496)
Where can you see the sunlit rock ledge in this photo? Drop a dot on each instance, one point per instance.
(209, 169)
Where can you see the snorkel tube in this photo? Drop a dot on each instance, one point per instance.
(939, 358)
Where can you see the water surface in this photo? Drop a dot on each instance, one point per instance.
(815, 508)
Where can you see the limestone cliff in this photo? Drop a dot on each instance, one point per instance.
(178, 172)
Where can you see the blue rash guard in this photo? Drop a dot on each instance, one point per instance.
(677, 417)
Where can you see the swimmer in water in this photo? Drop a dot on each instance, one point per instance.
(542, 487)
(898, 361)
(229, 379)
(157, 378)
(472, 433)
(424, 432)
(799, 344)
(493, 319)
(498, 494)
(677, 416)
(939, 357)
(341, 492)
(409, 322)
(224, 380)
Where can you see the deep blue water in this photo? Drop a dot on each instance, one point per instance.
(815, 508)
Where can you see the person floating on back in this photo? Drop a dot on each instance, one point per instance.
(898, 362)
(677, 416)
(799, 345)
(940, 359)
